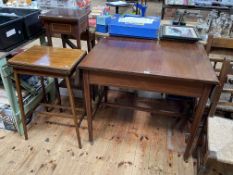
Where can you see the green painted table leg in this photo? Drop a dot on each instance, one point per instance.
(10, 92)
(42, 40)
(31, 103)
(36, 98)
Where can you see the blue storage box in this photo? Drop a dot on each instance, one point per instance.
(142, 28)
(103, 20)
(101, 28)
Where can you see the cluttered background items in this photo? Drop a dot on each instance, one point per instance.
(16, 2)
(219, 24)
(48, 3)
(73, 4)
(200, 2)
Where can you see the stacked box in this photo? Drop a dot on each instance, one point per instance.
(102, 23)
(11, 32)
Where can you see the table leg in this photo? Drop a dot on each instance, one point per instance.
(137, 8)
(72, 104)
(48, 34)
(92, 43)
(50, 42)
(105, 94)
(87, 96)
(196, 123)
(44, 92)
(162, 12)
(42, 40)
(63, 39)
(78, 39)
(81, 80)
(117, 9)
(89, 44)
(21, 106)
(58, 92)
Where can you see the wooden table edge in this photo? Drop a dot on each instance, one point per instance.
(42, 68)
(84, 68)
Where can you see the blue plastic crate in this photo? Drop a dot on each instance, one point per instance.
(102, 28)
(147, 31)
(103, 20)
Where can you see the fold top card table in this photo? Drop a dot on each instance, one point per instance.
(162, 66)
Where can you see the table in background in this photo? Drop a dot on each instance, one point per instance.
(127, 4)
(117, 6)
(67, 23)
(162, 66)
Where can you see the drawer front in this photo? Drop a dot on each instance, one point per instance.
(61, 28)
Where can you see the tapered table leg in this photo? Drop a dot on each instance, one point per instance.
(58, 92)
(87, 95)
(63, 39)
(21, 106)
(105, 94)
(72, 104)
(197, 120)
(44, 92)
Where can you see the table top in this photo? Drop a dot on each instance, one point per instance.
(163, 59)
(48, 59)
(65, 14)
(126, 4)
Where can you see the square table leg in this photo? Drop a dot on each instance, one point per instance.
(58, 92)
(87, 96)
(45, 100)
(78, 37)
(197, 120)
(63, 39)
(117, 10)
(21, 106)
(89, 43)
(72, 104)
(105, 94)
(49, 35)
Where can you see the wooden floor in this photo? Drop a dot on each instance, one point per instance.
(126, 142)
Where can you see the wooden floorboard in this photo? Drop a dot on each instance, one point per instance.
(126, 142)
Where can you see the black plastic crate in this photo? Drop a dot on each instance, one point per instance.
(32, 24)
(11, 32)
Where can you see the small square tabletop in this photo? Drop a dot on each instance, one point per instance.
(64, 15)
(48, 59)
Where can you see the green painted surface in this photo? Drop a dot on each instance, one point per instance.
(35, 98)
